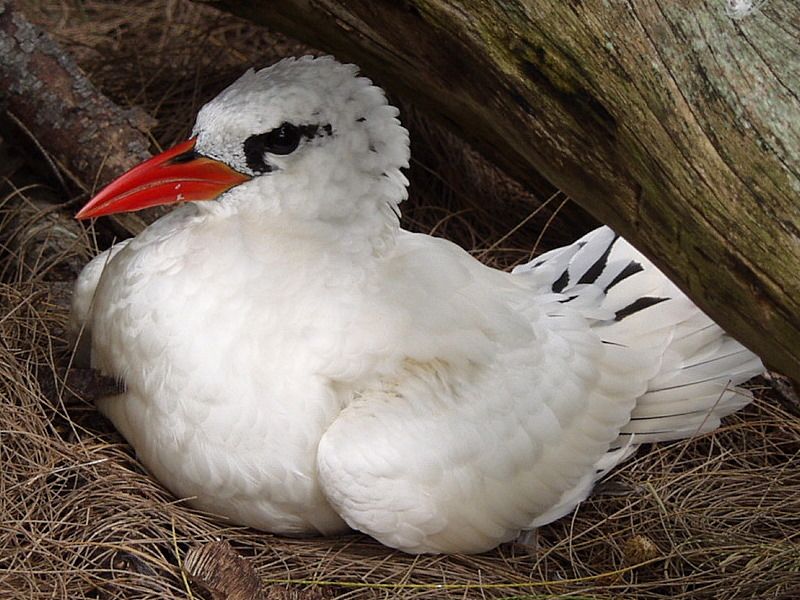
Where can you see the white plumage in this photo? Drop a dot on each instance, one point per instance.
(294, 360)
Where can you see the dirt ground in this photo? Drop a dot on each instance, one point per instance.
(714, 517)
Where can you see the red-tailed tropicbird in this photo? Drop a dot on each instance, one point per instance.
(294, 360)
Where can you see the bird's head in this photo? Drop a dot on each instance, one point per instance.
(305, 137)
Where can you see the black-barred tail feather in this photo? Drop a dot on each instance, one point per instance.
(629, 302)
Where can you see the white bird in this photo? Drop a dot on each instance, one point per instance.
(295, 361)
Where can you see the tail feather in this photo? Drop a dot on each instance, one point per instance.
(630, 302)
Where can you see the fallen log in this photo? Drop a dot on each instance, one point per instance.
(50, 101)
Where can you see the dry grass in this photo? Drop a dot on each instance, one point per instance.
(717, 517)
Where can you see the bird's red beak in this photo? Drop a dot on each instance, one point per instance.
(177, 175)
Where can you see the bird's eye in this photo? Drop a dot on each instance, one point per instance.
(282, 140)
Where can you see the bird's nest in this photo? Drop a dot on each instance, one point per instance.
(717, 516)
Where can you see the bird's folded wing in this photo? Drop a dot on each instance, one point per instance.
(495, 412)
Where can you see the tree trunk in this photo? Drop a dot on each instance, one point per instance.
(675, 122)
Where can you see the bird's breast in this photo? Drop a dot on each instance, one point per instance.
(225, 361)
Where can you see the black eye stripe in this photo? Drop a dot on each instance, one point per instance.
(308, 131)
(255, 160)
(280, 141)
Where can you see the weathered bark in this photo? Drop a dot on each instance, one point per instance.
(54, 103)
(674, 122)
